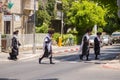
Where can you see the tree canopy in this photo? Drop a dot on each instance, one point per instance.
(111, 15)
(44, 15)
(85, 15)
(81, 14)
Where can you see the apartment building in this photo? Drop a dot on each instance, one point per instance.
(16, 15)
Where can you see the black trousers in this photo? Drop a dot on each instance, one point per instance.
(47, 55)
(97, 52)
(85, 52)
(14, 53)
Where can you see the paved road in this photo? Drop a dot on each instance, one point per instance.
(67, 67)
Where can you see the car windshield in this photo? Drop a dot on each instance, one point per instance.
(105, 36)
(115, 34)
(92, 37)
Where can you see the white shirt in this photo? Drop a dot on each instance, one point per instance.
(82, 40)
(49, 45)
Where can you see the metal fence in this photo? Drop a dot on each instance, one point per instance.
(26, 41)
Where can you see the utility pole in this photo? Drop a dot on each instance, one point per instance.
(61, 23)
(34, 46)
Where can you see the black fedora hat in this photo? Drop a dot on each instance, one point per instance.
(51, 31)
(99, 33)
(15, 32)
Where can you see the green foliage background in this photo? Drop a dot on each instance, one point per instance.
(80, 14)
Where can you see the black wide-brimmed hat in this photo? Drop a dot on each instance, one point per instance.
(15, 32)
(99, 33)
(51, 31)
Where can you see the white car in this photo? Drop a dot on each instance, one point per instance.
(107, 40)
(91, 41)
(115, 37)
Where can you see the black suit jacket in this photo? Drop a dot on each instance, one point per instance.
(96, 44)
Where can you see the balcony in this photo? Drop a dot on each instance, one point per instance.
(29, 5)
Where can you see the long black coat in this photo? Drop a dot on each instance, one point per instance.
(47, 46)
(15, 44)
(96, 46)
(85, 47)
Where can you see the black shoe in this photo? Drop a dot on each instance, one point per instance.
(80, 57)
(39, 61)
(87, 59)
(52, 63)
(15, 58)
(10, 58)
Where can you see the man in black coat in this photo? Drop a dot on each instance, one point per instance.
(97, 42)
(15, 46)
(85, 45)
(47, 46)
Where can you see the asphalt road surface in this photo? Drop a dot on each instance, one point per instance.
(67, 67)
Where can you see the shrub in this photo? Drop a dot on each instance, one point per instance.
(66, 39)
(42, 29)
(56, 36)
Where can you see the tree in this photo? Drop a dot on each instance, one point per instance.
(66, 7)
(44, 14)
(42, 17)
(111, 15)
(84, 14)
(42, 29)
(50, 8)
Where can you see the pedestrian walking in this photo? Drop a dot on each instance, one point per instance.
(14, 46)
(85, 45)
(47, 47)
(97, 42)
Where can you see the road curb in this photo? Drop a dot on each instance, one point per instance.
(110, 66)
(67, 50)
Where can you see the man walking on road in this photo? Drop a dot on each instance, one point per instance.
(15, 46)
(85, 45)
(47, 46)
(97, 42)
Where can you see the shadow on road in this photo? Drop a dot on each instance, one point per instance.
(7, 79)
(48, 79)
(106, 54)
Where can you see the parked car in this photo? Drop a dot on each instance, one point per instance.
(91, 41)
(106, 40)
(115, 37)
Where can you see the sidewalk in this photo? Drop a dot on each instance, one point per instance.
(29, 54)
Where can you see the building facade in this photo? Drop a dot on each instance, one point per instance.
(14, 15)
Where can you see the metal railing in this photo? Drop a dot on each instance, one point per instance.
(26, 41)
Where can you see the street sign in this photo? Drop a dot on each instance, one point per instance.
(10, 5)
(7, 17)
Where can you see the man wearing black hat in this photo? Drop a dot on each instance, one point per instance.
(47, 46)
(85, 45)
(97, 42)
(15, 46)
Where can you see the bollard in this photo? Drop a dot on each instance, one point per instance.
(60, 42)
